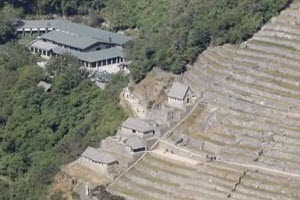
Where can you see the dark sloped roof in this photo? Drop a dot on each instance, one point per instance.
(98, 156)
(135, 143)
(37, 23)
(69, 39)
(178, 91)
(93, 56)
(104, 54)
(137, 124)
(81, 30)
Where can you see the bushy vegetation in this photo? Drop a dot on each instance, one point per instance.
(173, 33)
(8, 15)
(40, 131)
(62, 7)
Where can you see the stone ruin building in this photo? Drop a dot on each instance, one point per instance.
(98, 161)
(137, 127)
(130, 148)
(180, 96)
(164, 115)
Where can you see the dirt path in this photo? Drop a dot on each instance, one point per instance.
(174, 157)
(234, 163)
(157, 142)
(198, 155)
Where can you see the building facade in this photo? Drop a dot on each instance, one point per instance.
(93, 47)
(180, 95)
(98, 161)
(137, 127)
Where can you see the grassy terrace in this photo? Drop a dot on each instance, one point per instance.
(253, 89)
(186, 181)
(237, 67)
(278, 66)
(268, 71)
(168, 183)
(220, 62)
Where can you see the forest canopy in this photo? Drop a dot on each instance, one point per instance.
(39, 131)
(173, 33)
(170, 33)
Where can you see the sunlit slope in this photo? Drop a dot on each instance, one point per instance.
(251, 123)
(253, 96)
(158, 178)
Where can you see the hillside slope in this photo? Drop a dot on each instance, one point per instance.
(250, 124)
(253, 95)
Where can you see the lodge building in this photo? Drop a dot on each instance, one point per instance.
(91, 46)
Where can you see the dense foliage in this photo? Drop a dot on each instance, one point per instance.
(173, 33)
(8, 15)
(40, 131)
(62, 7)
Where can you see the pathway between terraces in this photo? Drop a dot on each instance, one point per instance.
(196, 154)
(157, 142)
(233, 163)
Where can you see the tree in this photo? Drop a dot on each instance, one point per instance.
(178, 66)
(41, 131)
(115, 86)
(8, 15)
(171, 33)
(4, 188)
(67, 72)
(14, 56)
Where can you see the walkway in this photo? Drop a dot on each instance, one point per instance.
(198, 155)
(233, 163)
(157, 142)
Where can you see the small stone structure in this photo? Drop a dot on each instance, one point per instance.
(137, 127)
(164, 115)
(126, 147)
(180, 95)
(98, 161)
(136, 144)
(46, 86)
(84, 191)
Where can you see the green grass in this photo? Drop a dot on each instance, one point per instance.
(25, 40)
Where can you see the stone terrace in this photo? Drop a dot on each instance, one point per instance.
(254, 90)
(159, 178)
(251, 123)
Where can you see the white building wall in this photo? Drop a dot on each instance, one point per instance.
(177, 103)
